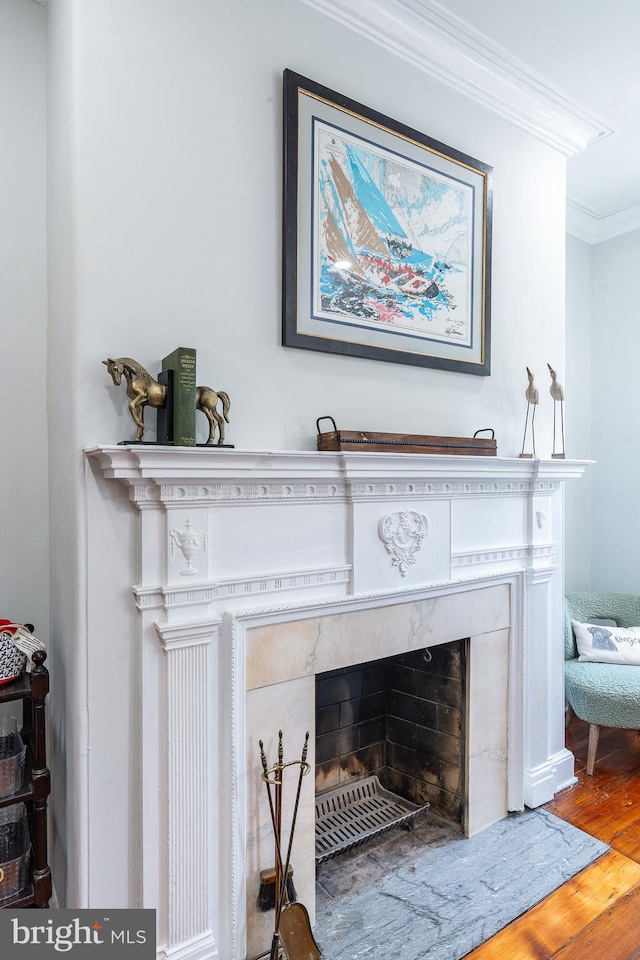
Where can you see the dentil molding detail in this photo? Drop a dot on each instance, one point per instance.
(236, 493)
(166, 597)
(421, 489)
(144, 494)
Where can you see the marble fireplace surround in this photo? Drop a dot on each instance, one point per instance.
(259, 569)
(283, 658)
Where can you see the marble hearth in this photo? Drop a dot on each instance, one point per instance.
(260, 570)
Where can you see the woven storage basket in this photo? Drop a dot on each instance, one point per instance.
(12, 754)
(12, 661)
(14, 850)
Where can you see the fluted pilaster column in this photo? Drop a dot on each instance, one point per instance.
(184, 677)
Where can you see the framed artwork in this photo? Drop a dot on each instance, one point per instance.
(386, 237)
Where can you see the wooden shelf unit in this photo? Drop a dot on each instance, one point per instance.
(32, 688)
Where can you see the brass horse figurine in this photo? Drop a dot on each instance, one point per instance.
(143, 390)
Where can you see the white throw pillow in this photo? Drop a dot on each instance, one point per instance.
(610, 644)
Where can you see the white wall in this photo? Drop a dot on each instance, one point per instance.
(578, 411)
(165, 200)
(616, 447)
(67, 568)
(24, 508)
(178, 197)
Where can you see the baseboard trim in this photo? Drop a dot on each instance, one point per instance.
(200, 948)
(544, 781)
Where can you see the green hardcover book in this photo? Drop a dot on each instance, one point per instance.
(183, 364)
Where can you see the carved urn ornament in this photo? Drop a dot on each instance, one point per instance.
(188, 541)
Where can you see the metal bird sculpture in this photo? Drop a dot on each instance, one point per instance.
(533, 397)
(557, 393)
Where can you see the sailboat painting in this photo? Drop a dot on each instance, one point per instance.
(392, 241)
(386, 237)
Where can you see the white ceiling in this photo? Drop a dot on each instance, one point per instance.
(592, 50)
(567, 71)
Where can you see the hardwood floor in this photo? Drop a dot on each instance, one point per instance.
(595, 916)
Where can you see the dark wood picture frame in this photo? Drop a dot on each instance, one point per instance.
(386, 237)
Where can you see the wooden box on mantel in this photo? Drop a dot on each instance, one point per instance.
(365, 440)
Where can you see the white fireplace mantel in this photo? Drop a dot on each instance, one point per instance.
(237, 541)
(142, 464)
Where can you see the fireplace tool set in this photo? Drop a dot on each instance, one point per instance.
(292, 927)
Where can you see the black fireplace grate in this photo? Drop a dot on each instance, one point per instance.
(349, 815)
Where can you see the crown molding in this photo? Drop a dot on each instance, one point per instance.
(581, 222)
(436, 41)
(591, 227)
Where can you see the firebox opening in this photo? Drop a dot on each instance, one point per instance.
(402, 719)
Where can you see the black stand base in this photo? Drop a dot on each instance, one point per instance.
(140, 443)
(170, 443)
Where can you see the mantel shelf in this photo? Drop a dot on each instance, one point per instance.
(138, 464)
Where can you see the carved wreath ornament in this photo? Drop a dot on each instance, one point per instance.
(403, 534)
